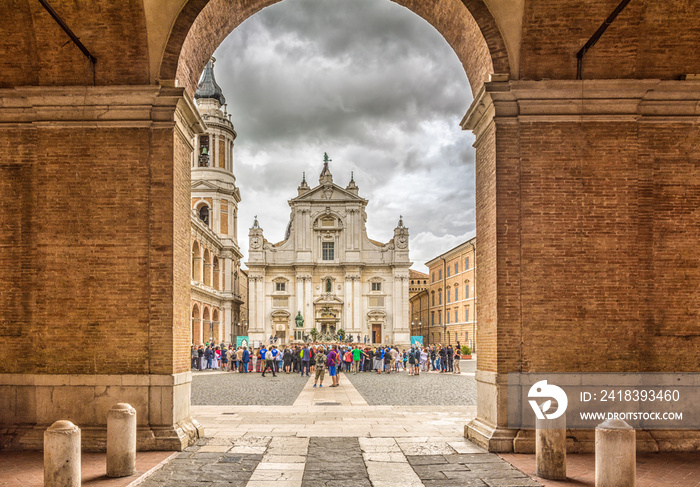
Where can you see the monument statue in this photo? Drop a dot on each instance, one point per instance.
(299, 320)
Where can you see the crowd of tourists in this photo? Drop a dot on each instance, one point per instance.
(305, 359)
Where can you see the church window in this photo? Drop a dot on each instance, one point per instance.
(439, 317)
(327, 222)
(466, 263)
(204, 214)
(329, 285)
(456, 267)
(328, 251)
(376, 301)
(432, 322)
(456, 294)
(439, 274)
(466, 291)
(376, 286)
(433, 276)
(447, 295)
(466, 314)
(447, 317)
(448, 271)
(280, 286)
(439, 296)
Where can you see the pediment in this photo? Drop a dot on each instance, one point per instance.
(281, 314)
(328, 299)
(327, 193)
(203, 184)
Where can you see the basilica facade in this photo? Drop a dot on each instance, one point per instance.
(327, 275)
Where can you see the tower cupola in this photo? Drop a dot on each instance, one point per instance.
(207, 87)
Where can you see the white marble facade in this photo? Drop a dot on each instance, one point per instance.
(329, 271)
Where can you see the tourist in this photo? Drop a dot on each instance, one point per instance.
(393, 355)
(347, 359)
(262, 353)
(224, 359)
(332, 362)
(387, 360)
(368, 358)
(245, 359)
(442, 353)
(321, 359)
(450, 358)
(424, 359)
(378, 359)
(416, 360)
(356, 358)
(296, 362)
(287, 358)
(275, 352)
(280, 361)
(411, 361)
(305, 360)
(457, 359)
(269, 361)
(312, 359)
(193, 357)
(433, 358)
(237, 357)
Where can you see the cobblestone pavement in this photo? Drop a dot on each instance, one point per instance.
(267, 461)
(399, 389)
(290, 434)
(426, 389)
(232, 388)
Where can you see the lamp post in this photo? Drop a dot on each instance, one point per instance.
(420, 327)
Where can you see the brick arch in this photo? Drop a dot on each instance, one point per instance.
(467, 25)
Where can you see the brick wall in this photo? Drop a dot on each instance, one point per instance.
(37, 52)
(647, 40)
(75, 251)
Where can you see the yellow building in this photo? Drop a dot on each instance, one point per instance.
(418, 303)
(452, 296)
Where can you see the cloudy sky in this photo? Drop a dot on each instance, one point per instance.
(376, 87)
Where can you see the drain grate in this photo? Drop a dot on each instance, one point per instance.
(327, 404)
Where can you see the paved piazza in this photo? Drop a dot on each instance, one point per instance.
(292, 435)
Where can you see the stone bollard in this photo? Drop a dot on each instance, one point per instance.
(62, 455)
(121, 441)
(615, 454)
(550, 448)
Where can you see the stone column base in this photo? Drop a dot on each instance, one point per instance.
(490, 437)
(30, 403)
(502, 440)
(94, 438)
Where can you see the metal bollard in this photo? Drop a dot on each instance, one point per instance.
(62, 455)
(121, 441)
(550, 448)
(615, 454)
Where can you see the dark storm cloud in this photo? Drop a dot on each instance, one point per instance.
(372, 84)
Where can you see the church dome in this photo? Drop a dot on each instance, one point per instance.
(207, 87)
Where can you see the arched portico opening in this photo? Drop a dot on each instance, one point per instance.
(467, 26)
